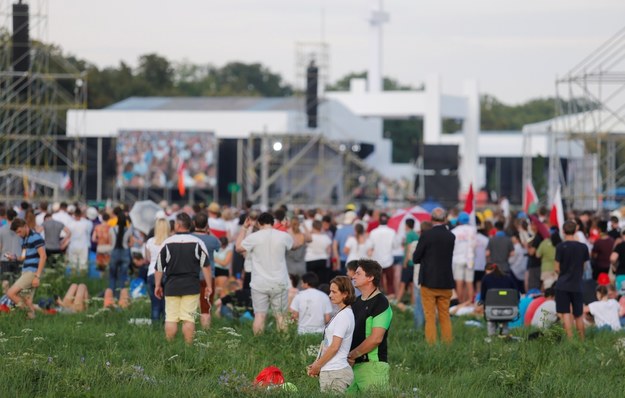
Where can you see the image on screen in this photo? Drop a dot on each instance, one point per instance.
(158, 159)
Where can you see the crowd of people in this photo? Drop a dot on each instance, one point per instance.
(337, 274)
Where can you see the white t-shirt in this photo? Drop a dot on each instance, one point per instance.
(342, 325)
(154, 250)
(317, 249)
(311, 305)
(605, 313)
(356, 250)
(464, 246)
(63, 217)
(382, 239)
(545, 315)
(81, 233)
(266, 249)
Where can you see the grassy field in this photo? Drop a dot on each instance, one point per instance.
(100, 353)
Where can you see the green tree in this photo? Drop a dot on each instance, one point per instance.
(157, 74)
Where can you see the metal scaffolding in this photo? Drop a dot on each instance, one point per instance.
(591, 108)
(586, 139)
(303, 170)
(33, 107)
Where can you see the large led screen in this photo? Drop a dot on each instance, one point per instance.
(158, 159)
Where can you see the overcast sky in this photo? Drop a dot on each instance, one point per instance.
(514, 48)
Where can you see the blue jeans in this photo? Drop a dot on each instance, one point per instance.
(158, 305)
(419, 317)
(118, 268)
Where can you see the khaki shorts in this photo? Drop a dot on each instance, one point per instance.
(25, 283)
(336, 380)
(462, 272)
(181, 308)
(276, 299)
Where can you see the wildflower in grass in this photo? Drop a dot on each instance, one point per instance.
(232, 333)
(619, 346)
(172, 357)
(26, 330)
(78, 323)
(312, 350)
(109, 335)
(232, 344)
(38, 338)
(107, 364)
(1, 334)
(200, 344)
(234, 380)
(3, 340)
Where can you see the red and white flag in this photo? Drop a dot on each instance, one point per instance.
(530, 199)
(182, 190)
(469, 205)
(556, 217)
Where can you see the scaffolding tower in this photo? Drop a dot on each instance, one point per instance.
(37, 88)
(590, 107)
(303, 169)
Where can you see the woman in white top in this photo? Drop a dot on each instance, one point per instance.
(318, 253)
(152, 249)
(223, 262)
(334, 372)
(356, 247)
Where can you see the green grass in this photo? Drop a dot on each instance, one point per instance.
(99, 354)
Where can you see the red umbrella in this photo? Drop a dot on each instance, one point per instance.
(399, 218)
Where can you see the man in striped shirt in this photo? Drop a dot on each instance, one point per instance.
(180, 260)
(33, 258)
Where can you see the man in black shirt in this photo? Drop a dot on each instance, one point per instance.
(372, 315)
(180, 259)
(570, 258)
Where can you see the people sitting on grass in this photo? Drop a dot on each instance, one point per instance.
(123, 299)
(75, 299)
(604, 313)
(236, 304)
(311, 308)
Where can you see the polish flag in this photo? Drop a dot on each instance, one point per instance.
(469, 205)
(182, 190)
(556, 217)
(530, 200)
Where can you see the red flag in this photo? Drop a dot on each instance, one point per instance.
(556, 217)
(181, 188)
(469, 204)
(530, 200)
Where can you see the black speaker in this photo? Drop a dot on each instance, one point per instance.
(312, 77)
(441, 180)
(20, 54)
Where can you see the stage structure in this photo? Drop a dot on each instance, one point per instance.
(590, 118)
(299, 169)
(37, 88)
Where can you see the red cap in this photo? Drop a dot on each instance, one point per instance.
(603, 279)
